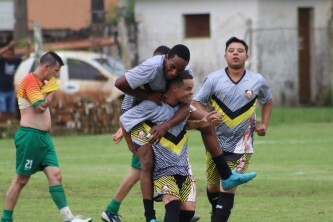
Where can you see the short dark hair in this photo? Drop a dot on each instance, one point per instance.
(235, 39)
(180, 50)
(179, 79)
(51, 58)
(161, 50)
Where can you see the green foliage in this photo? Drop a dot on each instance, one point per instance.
(294, 182)
(126, 12)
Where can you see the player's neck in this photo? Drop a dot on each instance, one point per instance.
(236, 71)
(170, 99)
(235, 74)
(38, 75)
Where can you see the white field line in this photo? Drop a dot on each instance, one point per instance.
(294, 142)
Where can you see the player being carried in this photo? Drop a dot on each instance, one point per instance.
(148, 81)
(172, 174)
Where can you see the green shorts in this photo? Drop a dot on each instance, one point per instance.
(34, 151)
(237, 162)
(135, 162)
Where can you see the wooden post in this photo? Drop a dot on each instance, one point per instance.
(21, 18)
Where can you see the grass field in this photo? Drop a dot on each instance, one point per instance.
(293, 162)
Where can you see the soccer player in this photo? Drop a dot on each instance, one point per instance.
(172, 173)
(34, 148)
(233, 92)
(133, 176)
(148, 81)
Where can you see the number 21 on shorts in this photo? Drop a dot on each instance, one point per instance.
(28, 165)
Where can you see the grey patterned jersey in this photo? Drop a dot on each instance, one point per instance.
(236, 101)
(171, 155)
(149, 76)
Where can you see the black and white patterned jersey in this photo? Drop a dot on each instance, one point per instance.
(236, 101)
(171, 155)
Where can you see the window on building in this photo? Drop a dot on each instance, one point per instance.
(83, 71)
(97, 11)
(197, 25)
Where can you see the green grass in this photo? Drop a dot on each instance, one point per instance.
(301, 115)
(293, 162)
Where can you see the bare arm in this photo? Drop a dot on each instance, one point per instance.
(206, 120)
(199, 107)
(6, 48)
(266, 112)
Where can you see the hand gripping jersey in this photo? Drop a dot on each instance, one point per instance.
(236, 101)
(32, 92)
(171, 155)
(51, 85)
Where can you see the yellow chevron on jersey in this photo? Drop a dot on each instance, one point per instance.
(236, 121)
(140, 131)
(171, 145)
(174, 146)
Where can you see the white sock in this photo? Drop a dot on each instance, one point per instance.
(66, 214)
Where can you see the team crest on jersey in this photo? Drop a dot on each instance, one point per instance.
(165, 188)
(142, 134)
(248, 94)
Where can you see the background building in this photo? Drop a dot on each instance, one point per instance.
(61, 19)
(289, 40)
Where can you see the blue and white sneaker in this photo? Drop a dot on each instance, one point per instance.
(237, 179)
(107, 217)
(153, 220)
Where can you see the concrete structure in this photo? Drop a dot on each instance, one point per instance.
(63, 14)
(288, 40)
(6, 15)
(55, 17)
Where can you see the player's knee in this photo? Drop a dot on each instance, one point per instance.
(186, 215)
(55, 177)
(136, 176)
(213, 188)
(147, 164)
(58, 177)
(22, 181)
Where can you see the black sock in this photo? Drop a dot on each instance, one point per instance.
(149, 209)
(213, 198)
(186, 215)
(222, 166)
(224, 207)
(172, 211)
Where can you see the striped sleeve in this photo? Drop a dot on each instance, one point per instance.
(30, 90)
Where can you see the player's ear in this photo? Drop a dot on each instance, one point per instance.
(47, 66)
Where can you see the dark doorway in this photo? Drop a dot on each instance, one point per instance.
(304, 54)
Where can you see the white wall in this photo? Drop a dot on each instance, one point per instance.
(161, 22)
(6, 15)
(274, 46)
(276, 38)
